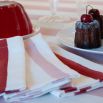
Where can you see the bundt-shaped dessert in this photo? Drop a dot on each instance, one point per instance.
(14, 21)
(87, 34)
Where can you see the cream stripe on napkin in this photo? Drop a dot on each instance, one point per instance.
(41, 55)
(16, 64)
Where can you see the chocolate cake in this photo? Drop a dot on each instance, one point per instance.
(87, 34)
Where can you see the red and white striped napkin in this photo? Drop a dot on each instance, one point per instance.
(91, 74)
(44, 71)
(12, 65)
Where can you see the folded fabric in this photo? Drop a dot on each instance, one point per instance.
(44, 71)
(77, 86)
(91, 73)
(12, 65)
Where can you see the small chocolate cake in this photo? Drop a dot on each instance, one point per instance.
(87, 35)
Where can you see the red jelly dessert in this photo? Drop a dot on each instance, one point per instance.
(14, 21)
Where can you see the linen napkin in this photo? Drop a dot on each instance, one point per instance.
(12, 65)
(91, 74)
(44, 71)
(77, 86)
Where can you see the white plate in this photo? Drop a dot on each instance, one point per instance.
(66, 38)
(37, 30)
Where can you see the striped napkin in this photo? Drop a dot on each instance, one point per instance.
(12, 65)
(44, 71)
(91, 74)
(40, 56)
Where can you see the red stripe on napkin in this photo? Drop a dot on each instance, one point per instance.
(3, 64)
(83, 90)
(12, 91)
(81, 69)
(69, 89)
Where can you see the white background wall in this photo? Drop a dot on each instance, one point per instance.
(65, 7)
